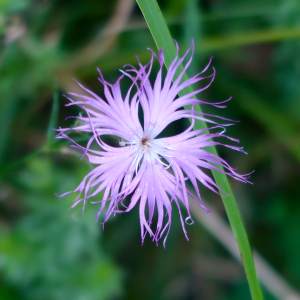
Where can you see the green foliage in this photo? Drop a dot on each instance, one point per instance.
(48, 252)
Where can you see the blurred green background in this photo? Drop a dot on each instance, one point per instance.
(47, 252)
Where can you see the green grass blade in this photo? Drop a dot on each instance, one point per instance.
(192, 30)
(53, 118)
(163, 40)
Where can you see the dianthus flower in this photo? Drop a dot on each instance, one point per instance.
(152, 172)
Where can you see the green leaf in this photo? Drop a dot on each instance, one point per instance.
(163, 40)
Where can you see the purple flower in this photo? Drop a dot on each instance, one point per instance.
(151, 171)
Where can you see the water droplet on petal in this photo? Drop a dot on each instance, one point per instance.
(189, 221)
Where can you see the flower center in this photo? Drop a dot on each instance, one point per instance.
(144, 144)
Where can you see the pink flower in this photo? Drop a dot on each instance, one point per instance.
(151, 171)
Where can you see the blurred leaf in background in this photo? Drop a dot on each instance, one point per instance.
(48, 253)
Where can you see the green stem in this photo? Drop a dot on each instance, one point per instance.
(53, 118)
(163, 40)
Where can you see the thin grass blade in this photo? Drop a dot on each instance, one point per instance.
(163, 40)
(53, 118)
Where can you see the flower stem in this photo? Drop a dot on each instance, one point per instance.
(163, 40)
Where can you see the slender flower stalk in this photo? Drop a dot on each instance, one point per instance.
(151, 172)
